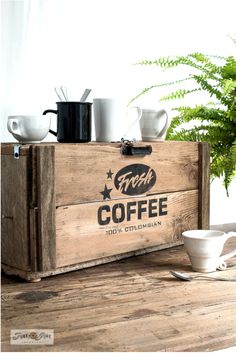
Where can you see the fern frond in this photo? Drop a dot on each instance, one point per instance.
(229, 69)
(196, 60)
(229, 171)
(199, 112)
(206, 65)
(163, 62)
(212, 90)
(215, 122)
(233, 152)
(180, 93)
(147, 89)
(223, 163)
(229, 86)
(231, 112)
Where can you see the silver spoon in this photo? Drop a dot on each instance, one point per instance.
(186, 277)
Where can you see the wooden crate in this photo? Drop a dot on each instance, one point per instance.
(70, 206)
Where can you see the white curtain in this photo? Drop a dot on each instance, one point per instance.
(20, 48)
(94, 44)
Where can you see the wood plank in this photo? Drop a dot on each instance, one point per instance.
(33, 215)
(81, 171)
(204, 186)
(127, 306)
(81, 236)
(34, 275)
(8, 149)
(46, 242)
(14, 212)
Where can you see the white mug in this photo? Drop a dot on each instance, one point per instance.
(29, 128)
(153, 124)
(204, 248)
(113, 120)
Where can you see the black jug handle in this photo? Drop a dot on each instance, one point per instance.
(51, 111)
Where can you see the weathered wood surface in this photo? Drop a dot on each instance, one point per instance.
(82, 170)
(14, 211)
(31, 276)
(80, 238)
(63, 230)
(45, 174)
(7, 148)
(28, 207)
(204, 186)
(79, 178)
(131, 305)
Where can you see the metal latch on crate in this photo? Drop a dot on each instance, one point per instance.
(128, 149)
(16, 152)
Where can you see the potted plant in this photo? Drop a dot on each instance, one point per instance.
(214, 122)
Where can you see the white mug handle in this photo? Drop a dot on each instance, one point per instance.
(13, 126)
(139, 112)
(222, 264)
(161, 133)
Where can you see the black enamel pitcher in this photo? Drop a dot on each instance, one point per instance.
(73, 121)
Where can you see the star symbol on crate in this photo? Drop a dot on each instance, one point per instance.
(106, 193)
(109, 174)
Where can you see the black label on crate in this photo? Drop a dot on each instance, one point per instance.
(135, 179)
(131, 215)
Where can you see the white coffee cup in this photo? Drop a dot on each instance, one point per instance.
(29, 128)
(204, 248)
(114, 120)
(153, 124)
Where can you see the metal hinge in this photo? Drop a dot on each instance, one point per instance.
(128, 149)
(16, 152)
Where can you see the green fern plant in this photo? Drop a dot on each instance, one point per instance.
(214, 123)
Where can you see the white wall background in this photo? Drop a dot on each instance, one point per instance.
(94, 43)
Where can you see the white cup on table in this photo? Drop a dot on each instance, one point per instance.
(204, 248)
(29, 128)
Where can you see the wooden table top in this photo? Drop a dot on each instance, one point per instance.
(128, 305)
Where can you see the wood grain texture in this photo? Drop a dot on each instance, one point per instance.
(14, 211)
(46, 242)
(204, 186)
(80, 238)
(7, 148)
(65, 186)
(85, 169)
(33, 224)
(31, 276)
(133, 305)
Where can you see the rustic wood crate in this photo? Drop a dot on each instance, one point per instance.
(70, 206)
